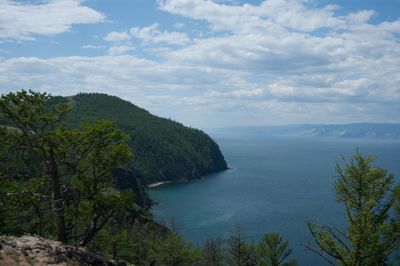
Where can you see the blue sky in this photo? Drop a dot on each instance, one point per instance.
(212, 63)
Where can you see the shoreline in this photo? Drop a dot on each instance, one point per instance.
(162, 183)
(157, 184)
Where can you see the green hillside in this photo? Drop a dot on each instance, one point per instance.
(163, 149)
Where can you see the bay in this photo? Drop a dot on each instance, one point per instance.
(273, 184)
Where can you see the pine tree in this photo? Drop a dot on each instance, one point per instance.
(274, 251)
(371, 201)
(239, 252)
(30, 133)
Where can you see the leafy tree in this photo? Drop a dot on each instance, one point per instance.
(371, 201)
(274, 251)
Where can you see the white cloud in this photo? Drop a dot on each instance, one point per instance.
(21, 22)
(360, 17)
(179, 25)
(391, 26)
(123, 71)
(91, 46)
(152, 34)
(287, 13)
(120, 49)
(209, 92)
(117, 36)
(353, 60)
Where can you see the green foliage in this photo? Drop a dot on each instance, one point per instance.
(371, 202)
(274, 251)
(173, 251)
(23, 208)
(146, 243)
(151, 244)
(30, 139)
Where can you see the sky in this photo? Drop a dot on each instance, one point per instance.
(212, 63)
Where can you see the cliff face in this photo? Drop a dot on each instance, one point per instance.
(31, 250)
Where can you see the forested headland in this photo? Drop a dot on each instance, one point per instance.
(165, 150)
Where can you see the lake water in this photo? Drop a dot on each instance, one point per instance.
(274, 184)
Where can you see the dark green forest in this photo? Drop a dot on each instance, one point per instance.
(68, 172)
(163, 149)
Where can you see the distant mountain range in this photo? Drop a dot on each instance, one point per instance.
(356, 130)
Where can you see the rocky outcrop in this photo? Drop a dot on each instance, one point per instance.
(32, 250)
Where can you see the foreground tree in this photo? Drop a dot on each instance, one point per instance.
(30, 134)
(371, 202)
(73, 168)
(92, 154)
(274, 251)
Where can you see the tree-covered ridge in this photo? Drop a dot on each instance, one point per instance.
(163, 149)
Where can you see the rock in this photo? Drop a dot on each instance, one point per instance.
(30, 250)
(9, 250)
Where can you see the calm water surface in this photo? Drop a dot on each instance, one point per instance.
(274, 184)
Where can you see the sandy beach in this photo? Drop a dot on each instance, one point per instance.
(157, 184)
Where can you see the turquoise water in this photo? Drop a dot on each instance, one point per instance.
(274, 184)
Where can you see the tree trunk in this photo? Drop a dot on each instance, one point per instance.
(58, 204)
(88, 237)
(95, 228)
